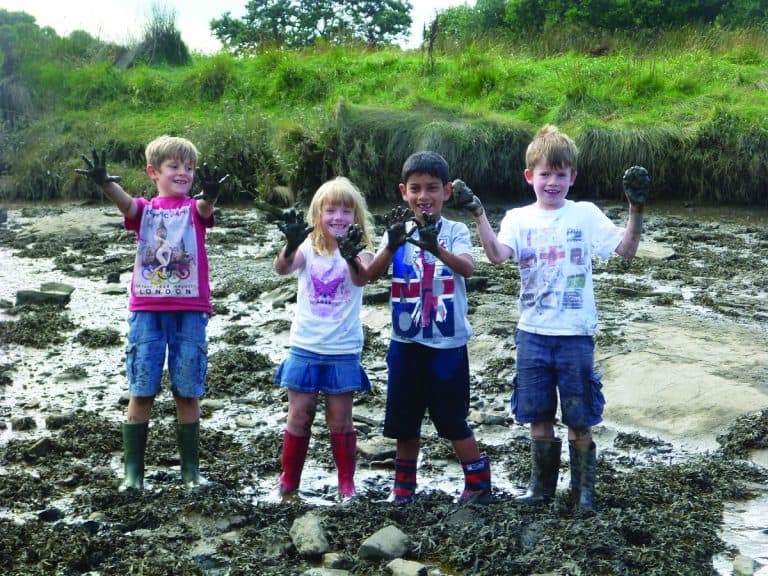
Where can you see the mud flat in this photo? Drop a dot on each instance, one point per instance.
(683, 451)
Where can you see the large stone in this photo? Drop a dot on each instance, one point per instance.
(53, 293)
(308, 536)
(387, 544)
(400, 567)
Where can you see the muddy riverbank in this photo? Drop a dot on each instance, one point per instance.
(683, 453)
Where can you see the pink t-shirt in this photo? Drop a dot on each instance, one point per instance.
(171, 267)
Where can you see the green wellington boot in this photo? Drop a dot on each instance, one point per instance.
(134, 446)
(188, 438)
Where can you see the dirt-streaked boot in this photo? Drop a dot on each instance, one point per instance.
(134, 447)
(545, 467)
(583, 470)
(294, 454)
(344, 449)
(188, 439)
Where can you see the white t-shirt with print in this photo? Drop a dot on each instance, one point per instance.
(554, 251)
(328, 306)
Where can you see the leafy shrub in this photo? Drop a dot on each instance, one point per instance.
(211, 79)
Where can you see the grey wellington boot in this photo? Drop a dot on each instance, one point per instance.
(545, 467)
(583, 469)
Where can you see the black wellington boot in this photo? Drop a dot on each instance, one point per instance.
(545, 467)
(583, 465)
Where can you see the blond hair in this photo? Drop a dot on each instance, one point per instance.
(554, 147)
(170, 147)
(342, 191)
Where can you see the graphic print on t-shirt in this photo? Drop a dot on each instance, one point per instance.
(553, 274)
(328, 291)
(166, 262)
(422, 294)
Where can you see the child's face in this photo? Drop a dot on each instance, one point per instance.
(335, 220)
(550, 185)
(425, 194)
(173, 177)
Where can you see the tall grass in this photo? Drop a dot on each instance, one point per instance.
(287, 120)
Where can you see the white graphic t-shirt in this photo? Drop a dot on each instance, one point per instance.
(554, 250)
(328, 306)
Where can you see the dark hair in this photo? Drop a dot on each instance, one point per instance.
(425, 162)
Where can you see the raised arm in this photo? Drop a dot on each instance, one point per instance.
(496, 252)
(368, 271)
(295, 230)
(462, 264)
(637, 186)
(97, 171)
(210, 183)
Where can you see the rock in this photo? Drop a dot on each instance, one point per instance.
(655, 251)
(40, 448)
(325, 572)
(477, 283)
(376, 296)
(113, 277)
(479, 417)
(743, 566)
(336, 561)
(25, 297)
(376, 449)
(23, 423)
(400, 567)
(58, 421)
(308, 536)
(50, 514)
(280, 296)
(387, 544)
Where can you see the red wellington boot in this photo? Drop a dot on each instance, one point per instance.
(294, 454)
(344, 448)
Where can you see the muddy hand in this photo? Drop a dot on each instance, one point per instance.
(295, 230)
(97, 168)
(210, 182)
(428, 232)
(351, 245)
(637, 185)
(395, 221)
(465, 199)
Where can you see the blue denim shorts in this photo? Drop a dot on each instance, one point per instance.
(182, 334)
(305, 371)
(423, 378)
(552, 365)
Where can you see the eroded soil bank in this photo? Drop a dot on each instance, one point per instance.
(682, 477)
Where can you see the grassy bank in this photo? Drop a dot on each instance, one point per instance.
(689, 105)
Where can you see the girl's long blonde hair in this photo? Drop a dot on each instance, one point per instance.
(340, 190)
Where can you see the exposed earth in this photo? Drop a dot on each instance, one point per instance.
(682, 455)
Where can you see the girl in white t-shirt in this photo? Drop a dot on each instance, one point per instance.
(326, 338)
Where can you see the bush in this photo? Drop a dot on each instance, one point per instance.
(162, 43)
